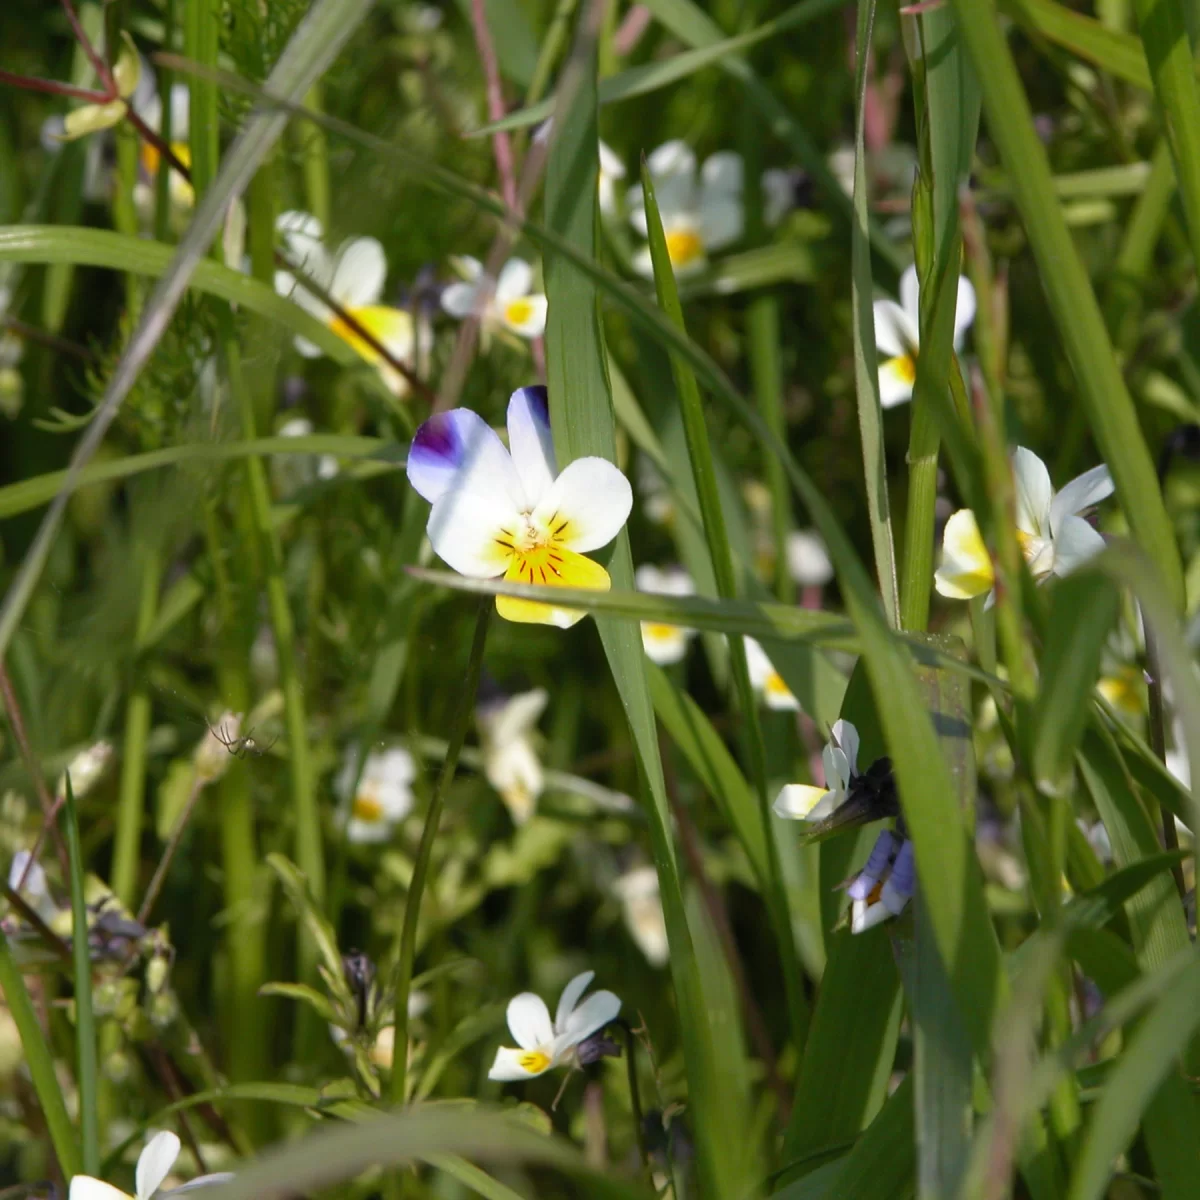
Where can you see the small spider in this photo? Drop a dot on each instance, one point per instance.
(239, 746)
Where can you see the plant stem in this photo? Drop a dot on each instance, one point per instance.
(314, 149)
(85, 1021)
(917, 578)
(1158, 743)
(166, 79)
(39, 1062)
(412, 908)
(164, 865)
(131, 797)
(635, 1096)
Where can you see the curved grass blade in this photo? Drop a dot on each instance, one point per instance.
(315, 44)
(140, 256)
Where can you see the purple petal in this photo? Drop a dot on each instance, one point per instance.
(902, 882)
(877, 863)
(453, 446)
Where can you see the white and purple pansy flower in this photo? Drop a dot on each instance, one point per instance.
(885, 885)
(508, 511)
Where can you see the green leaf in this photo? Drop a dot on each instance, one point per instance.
(317, 1001)
(140, 256)
(299, 893)
(1082, 614)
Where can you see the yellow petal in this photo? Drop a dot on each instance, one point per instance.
(573, 571)
(92, 118)
(966, 569)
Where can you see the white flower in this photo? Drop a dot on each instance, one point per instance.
(510, 760)
(664, 643)
(383, 796)
(897, 336)
(291, 472)
(883, 888)
(354, 278)
(808, 559)
(86, 768)
(698, 216)
(657, 502)
(1054, 536)
(510, 512)
(36, 891)
(766, 680)
(642, 907)
(611, 169)
(511, 305)
(92, 118)
(803, 802)
(543, 1045)
(153, 1166)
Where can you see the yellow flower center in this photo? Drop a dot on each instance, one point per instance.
(518, 312)
(367, 808)
(775, 685)
(534, 555)
(684, 247)
(905, 367)
(655, 631)
(534, 1061)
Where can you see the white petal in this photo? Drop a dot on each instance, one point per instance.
(635, 208)
(507, 1067)
(359, 273)
(1034, 493)
(529, 1021)
(778, 195)
(367, 833)
(569, 998)
(895, 331)
(460, 299)
(671, 158)
(896, 380)
(673, 168)
(302, 234)
(393, 766)
(964, 311)
(516, 280)
(910, 295)
(846, 736)
(797, 801)
(471, 269)
(594, 497)
(722, 220)
(1074, 544)
(518, 715)
(643, 263)
(758, 665)
(459, 450)
(808, 559)
(84, 1187)
(664, 644)
(155, 1162)
(864, 916)
(610, 164)
(723, 174)
(1080, 494)
(466, 530)
(966, 569)
(594, 1013)
(286, 284)
(531, 442)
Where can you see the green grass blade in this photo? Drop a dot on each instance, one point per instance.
(141, 256)
(314, 45)
(1082, 614)
(583, 423)
(1120, 54)
(85, 1021)
(1151, 1057)
(651, 77)
(713, 516)
(40, 1063)
(1164, 28)
(866, 375)
(1102, 389)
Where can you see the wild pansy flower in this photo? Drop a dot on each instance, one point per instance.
(510, 760)
(642, 907)
(382, 796)
(663, 643)
(883, 888)
(511, 304)
(802, 801)
(766, 680)
(510, 512)
(354, 277)
(699, 215)
(897, 335)
(612, 169)
(92, 118)
(1054, 536)
(542, 1045)
(153, 1166)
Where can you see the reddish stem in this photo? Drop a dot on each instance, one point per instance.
(501, 145)
(94, 57)
(53, 88)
